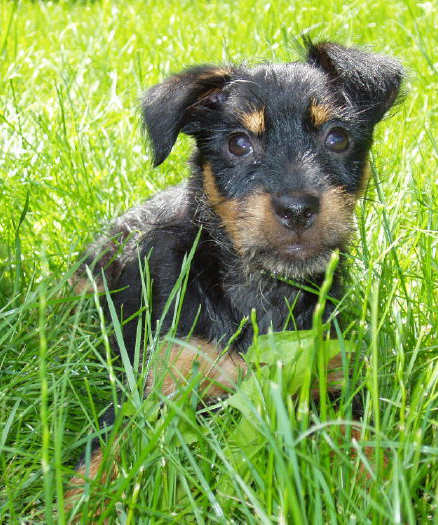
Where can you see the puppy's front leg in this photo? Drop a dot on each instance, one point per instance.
(175, 364)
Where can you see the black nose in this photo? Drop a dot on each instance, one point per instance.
(296, 211)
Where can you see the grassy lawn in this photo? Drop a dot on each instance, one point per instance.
(72, 158)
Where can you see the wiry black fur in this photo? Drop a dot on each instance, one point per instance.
(290, 157)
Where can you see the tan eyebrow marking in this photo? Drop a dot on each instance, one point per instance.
(254, 121)
(319, 113)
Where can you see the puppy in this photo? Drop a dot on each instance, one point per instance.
(281, 158)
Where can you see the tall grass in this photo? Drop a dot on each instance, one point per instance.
(72, 158)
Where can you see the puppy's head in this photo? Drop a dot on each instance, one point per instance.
(282, 148)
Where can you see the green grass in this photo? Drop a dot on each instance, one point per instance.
(72, 158)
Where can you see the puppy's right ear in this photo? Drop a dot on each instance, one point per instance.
(369, 81)
(168, 107)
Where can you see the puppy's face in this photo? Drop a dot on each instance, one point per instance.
(282, 149)
(283, 163)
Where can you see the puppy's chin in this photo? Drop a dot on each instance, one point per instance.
(293, 262)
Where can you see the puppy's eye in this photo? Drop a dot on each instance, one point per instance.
(337, 140)
(240, 145)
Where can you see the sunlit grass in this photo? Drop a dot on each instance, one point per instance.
(72, 158)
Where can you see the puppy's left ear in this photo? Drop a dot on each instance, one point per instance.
(173, 106)
(369, 81)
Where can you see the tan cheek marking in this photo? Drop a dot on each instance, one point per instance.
(219, 374)
(254, 121)
(319, 113)
(259, 224)
(336, 215)
(258, 209)
(227, 209)
(247, 222)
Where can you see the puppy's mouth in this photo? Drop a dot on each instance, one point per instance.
(296, 245)
(299, 249)
(293, 260)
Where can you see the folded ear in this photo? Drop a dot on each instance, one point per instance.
(168, 107)
(367, 80)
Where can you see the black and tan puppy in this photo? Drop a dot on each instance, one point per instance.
(281, 158)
